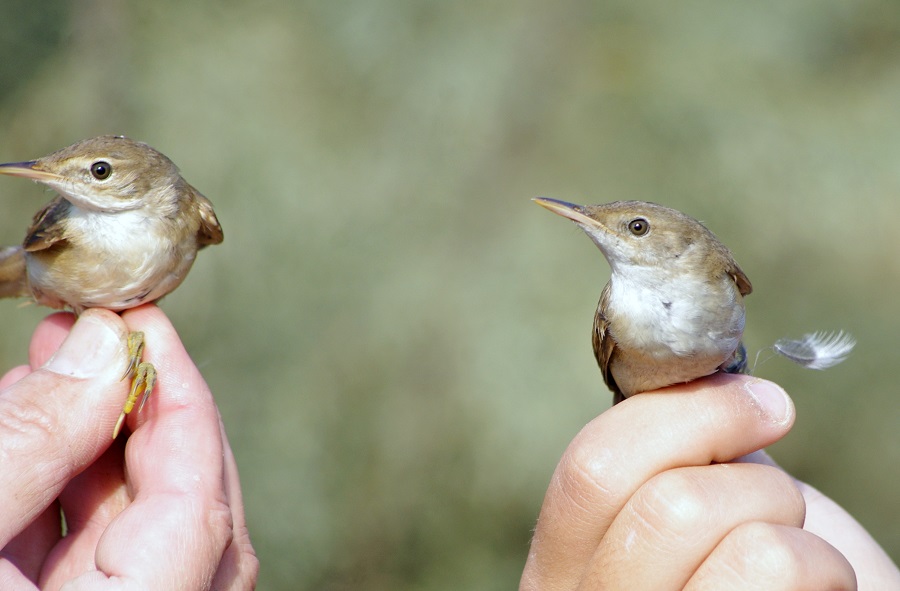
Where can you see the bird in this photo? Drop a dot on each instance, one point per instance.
(123, 230)
(673, 309)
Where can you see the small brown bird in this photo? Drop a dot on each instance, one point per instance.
(124, 230)
(673, 309)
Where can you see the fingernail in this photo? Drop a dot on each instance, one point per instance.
(771, 400)
(92, 347)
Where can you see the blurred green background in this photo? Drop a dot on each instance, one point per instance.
(397, 337)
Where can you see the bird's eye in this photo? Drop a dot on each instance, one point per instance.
(638, 226)
(101, 170)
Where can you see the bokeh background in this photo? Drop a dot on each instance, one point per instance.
(397, 338)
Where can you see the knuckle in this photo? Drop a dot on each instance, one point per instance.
(27, 431)
(24, 424)
(791, 504)
(586, 474)
(764, 552)
(672, 502)
(221, 522)
(239, 565)
(250, 565)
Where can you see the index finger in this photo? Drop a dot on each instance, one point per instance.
(174, 462)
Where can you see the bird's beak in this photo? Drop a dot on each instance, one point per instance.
(568, 210)
(27, 170)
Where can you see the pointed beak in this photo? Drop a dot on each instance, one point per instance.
(28, 170)
(568, 210)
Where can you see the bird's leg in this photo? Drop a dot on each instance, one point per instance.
(143, 378)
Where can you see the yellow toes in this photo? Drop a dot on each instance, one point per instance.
(143, 378)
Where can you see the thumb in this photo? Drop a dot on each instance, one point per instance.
(58, 419)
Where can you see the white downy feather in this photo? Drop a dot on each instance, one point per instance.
(817, 350)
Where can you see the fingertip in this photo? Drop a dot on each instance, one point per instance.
(163, 348)
(147, 317)
(771, 400)
(94, 346)
(53, 330)
(768, 401)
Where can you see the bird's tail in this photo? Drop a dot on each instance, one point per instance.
(13, 279)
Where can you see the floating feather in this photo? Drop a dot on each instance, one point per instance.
(817, 350)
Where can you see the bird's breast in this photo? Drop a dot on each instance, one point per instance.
(676, 314)
(115, 261)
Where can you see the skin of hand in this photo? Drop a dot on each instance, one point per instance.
(160, 509)
(648, 496)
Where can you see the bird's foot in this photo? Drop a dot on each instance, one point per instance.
(142, 375)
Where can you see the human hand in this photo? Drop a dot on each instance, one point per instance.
(642, 499)
(161, 509)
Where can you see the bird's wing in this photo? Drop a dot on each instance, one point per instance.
(740, 279)
(47, 226)
(605, 346)
(209, 232)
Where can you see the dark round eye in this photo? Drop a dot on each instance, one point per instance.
(101, 170)
(638, 226)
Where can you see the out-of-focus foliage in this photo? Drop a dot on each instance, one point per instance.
(397, 338)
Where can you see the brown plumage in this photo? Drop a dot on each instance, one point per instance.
(605, 346)
(114, 242)
(673, 308)
(123, 230)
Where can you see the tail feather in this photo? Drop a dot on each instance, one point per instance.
(13, 278)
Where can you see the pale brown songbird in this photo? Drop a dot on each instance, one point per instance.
(673, 309)
(123, 230)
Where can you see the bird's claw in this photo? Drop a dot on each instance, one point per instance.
(143, 378)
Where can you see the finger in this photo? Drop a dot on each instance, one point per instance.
(27, 552)
(174, 462)
(709, 420)
(831, 522)
(14, 375)
(678, 517)
(55, 421)
(90, 502)
(239, 567)
(772, 557)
